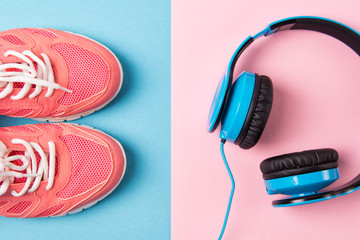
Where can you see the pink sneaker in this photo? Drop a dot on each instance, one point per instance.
(53, 75)
(56, 169)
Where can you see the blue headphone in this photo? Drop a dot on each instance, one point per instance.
(243, 107)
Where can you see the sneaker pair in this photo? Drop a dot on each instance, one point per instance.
(54, 169)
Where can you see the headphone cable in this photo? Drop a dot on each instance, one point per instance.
(232, 188)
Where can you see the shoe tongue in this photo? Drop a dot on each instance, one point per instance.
(19, 163)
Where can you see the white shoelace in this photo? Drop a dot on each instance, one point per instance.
(42, 77)
(9, 171)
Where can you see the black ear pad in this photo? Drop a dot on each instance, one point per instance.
(299, 163)
(258, 113)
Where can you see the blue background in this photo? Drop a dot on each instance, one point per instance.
(138, 32)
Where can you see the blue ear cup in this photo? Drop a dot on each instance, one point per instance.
(301, 173)
(238, 105)
(218, 103)
(247, 110)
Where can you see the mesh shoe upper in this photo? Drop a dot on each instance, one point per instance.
(90, 72)
(89, 165)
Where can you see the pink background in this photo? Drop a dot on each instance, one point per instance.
(316, 104)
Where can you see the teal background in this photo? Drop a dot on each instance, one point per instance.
(138, 32)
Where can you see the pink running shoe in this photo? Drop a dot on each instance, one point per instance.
(56, 169)
(53, 75)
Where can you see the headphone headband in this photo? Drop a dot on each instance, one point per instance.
(329, 27)
(332, 28)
